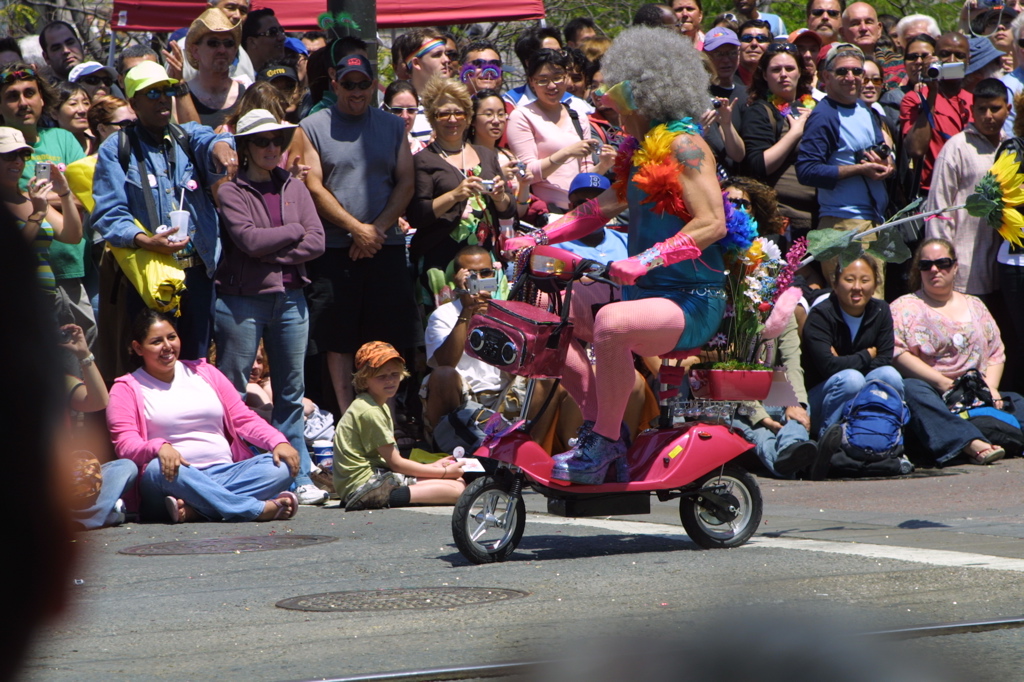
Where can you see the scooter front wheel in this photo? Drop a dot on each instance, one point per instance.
(725, 511)
(485, 526)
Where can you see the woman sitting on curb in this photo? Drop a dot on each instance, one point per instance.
(183, 424)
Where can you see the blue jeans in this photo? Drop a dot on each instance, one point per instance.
(829, 398)
(117, 476)
(222, 492)
(282, 321)
(767, 445)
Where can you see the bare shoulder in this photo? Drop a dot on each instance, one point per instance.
(691, 151)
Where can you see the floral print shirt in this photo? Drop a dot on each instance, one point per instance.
(948, 346)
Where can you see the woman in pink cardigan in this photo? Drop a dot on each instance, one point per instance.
(187, 429)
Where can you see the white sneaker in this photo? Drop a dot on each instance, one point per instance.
(117, 515)
(309, 494)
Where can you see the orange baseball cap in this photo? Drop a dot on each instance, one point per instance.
(376, 354)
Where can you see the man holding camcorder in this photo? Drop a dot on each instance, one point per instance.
(939, 108)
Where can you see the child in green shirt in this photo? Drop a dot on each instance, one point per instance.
(369, 472)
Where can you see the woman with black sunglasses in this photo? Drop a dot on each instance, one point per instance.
(941, 334)
(271, 231)
(755, 37)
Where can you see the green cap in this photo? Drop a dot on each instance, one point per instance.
(144, 75)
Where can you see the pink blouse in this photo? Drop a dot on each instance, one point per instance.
(949, 347)
(532, 138)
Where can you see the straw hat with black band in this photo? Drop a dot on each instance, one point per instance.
(215, 21)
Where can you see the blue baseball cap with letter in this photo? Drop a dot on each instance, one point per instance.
(589, 181)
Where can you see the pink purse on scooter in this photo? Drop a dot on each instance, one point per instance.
(520, 339)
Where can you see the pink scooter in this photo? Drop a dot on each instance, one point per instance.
(688, 456)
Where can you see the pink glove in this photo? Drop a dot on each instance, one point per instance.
(627, 271)
(518, 244)
(673, 250)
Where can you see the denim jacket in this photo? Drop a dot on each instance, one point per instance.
(119, 199)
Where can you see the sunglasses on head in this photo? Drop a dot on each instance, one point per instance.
(213, 43)
(280, 141)
(750, 38)
(402, 110)
(24, 74)
(97, 80)
(24, 154)
(940, 263)
(355, 85)
(157, 93)
(844, 71)
(831, 12)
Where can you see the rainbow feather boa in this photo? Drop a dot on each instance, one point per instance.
(658, 176)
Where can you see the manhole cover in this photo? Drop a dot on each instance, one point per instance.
(402, 599)
(228, 545)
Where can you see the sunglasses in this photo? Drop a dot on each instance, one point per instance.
(452, 55)
(398, 111)
(834, 13)
(7, 77)
(280, 141)
(940, 263)
(740, 203)
(457, 115)
(97, 80)
(844, 71)
(24, 154)
(485, 272)
(157, 93)
(355, 85)
(946, 54)
(484, 63)
(272, 32)
(873, 80)
(750, 38)
(213, 43)
(920, 56)
(122, 124)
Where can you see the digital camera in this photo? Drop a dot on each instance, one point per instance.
(944, 72)
(488, 185)
(475, 284)
(882, 150)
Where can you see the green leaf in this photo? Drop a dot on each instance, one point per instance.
(852, 252)
(825, 244)
(980, 206)
(889, 247)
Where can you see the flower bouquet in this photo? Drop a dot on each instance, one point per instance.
(760, 304)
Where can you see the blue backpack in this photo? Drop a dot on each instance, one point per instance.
(873, 424)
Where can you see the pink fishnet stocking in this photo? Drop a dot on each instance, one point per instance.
(578, 377)
(647, 327)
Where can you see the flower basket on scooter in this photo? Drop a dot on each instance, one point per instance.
(730, 384)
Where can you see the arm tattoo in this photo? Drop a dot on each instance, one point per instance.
(688, 153)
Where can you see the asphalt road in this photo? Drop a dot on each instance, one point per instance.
(830, 557)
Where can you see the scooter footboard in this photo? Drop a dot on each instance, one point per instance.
(674, 458)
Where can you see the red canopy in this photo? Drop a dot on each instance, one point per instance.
(299, 15)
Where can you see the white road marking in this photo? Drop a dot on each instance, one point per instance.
(932, 557)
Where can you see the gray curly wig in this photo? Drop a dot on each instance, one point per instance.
(669, 81)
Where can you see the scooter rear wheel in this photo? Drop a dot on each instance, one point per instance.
(714, 525)
(482, 527)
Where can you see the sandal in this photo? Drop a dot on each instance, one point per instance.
(173, 510)
(283, 512)
(990, 454)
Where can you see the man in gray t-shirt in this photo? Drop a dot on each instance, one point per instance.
(361, 178)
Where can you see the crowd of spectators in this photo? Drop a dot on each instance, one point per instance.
(305, 216)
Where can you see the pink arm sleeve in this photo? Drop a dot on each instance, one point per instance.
(123, 420)
(522, 141)
(577, 223)
(669, 252)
